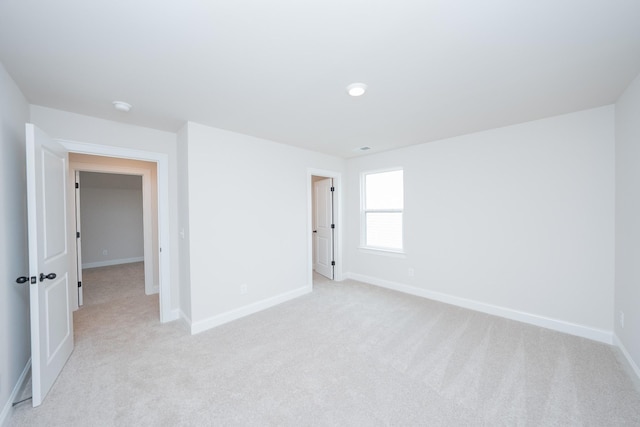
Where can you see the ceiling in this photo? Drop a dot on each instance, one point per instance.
(278, 69)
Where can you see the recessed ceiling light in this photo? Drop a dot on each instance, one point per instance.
(356, 89)
(122, 106)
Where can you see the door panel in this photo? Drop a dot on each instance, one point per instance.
(323, 251)
(49, 255)
(57, 303)
(55, 222)
(78, 241)
(324, 232)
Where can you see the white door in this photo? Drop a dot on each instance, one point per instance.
(78, 241)
(49, 260)
(323, 230)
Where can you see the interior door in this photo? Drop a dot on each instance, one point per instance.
(323, 227)
(49, 260)
(78, 241)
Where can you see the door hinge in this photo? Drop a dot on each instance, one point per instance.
(79, 284)
(333, 188)
(333, 226)
(77, 185)
(333, 263)
(77, 234)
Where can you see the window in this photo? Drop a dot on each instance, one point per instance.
(382, 206)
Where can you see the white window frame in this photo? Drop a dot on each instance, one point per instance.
(363, 214)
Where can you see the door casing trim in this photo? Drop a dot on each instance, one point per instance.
(164, 257)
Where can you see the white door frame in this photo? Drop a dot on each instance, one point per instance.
(164, 257)
(147, 222)
(338, 271)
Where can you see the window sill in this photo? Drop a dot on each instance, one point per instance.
(384, 252)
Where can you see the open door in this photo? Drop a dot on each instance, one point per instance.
(324, 227)
(78, 242)
(49, 260)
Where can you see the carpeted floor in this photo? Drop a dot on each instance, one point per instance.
(348, 354)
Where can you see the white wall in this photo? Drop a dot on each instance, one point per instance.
(15, 344)
(183, 217)
(516, 221)
(76, 127)
(627, 287)
(111, 221)
(249, 222)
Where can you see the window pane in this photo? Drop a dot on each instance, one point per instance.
(384, 190)
(384, 229)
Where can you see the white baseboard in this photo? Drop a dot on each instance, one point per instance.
(111, 262)
(170, 315)
(185, 320)
(533, 319)
(212, 322)
(175, 315)
(626, 354)
(154, 290)
(8, 407)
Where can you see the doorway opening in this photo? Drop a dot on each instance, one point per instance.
(325, 229)
(157, 184)
(116, 216)
(114, 227)
(322, 219)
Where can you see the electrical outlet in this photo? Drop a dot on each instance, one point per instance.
(411, 272)
(622, 319)
(105, 252)
(243, 288)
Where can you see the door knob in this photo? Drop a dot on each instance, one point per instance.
(49, 276)
(22, 279)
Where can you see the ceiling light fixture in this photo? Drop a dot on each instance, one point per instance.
(122, 106)
(356, 89)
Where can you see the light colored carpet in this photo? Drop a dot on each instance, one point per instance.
(347, 354)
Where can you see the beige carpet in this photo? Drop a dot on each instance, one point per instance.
(348, 354)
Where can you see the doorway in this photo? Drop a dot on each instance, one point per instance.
(325, 220)
(322, 218)
(161, 254)
(105, 187)
(112, 224)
